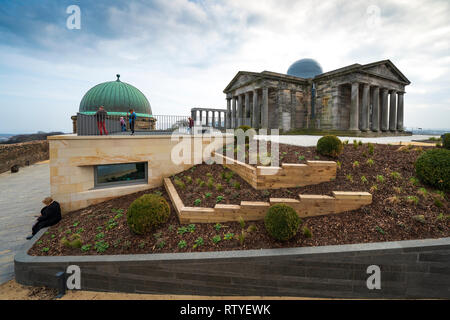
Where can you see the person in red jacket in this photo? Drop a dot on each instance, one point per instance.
(100, 115)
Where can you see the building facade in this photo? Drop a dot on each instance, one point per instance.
(360, 99)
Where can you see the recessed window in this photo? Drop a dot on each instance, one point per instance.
(118, 174)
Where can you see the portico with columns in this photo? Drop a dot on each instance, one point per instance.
(359, 99)
(373, 94)
(209, 117)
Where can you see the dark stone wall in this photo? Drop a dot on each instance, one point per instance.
(409, 269)
(22, 154)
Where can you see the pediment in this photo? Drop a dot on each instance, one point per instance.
(385, 69)
(241, 79)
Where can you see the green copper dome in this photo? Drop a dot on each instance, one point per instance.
(117, 97)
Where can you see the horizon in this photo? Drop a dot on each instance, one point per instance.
(182, 54)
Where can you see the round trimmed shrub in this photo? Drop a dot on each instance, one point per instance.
(329, 146)
(244, 127)
(433, 168)
(282, 222)
(147, 212)
(446, 141)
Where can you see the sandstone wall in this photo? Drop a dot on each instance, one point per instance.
(22, 154)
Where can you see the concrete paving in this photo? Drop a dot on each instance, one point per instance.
(21, 194)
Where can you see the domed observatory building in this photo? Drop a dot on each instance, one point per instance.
(117, 98)
(363, 100)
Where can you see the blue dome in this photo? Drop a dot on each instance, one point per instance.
(305, 68)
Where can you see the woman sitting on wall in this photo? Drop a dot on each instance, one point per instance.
(50, 215)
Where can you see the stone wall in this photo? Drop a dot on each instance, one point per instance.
(409, 269)
(73, 158)
(22, 154)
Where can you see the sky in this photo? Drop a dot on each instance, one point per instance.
(182, 54)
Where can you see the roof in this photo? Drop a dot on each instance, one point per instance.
(117, 97)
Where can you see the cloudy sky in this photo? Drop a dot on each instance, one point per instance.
(182, 54)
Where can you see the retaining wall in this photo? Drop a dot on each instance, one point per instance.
(409, 269)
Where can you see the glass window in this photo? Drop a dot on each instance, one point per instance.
(113, 174)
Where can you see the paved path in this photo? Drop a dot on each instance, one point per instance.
(307, 141)
(21, 194)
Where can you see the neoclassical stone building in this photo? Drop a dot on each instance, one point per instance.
(359, 99)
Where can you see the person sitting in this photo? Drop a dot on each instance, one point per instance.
(50, 215)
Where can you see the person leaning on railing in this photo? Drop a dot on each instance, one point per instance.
(100, 116)
(132, 119)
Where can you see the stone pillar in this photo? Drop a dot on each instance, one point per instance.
(393, 111)
(265, 108)
(365, 108)
(255, 113)
(233, 114)
(228, 115)
(400, 112)
(354, 107)
(220, 119)
(247, 110)
(376, 109)
(213, 120)
(239, 111)
(201, 117)
(384, 110)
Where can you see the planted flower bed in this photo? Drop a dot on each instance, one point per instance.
(402, 209)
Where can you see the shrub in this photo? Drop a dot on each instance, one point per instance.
(370, 148)
(329, 146)
(433, 168)
(147, 212)
(282, 222)
(446, 141)
(73, 242)
(307, 232)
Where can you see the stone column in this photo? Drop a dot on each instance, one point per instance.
(393, 111)
(228, 115)
(255, 113)
(201, 117)
(233, 114)
(239, 111)
(354, 107)
(384, 110)
(220, 119)
(376, 109)
(247, 110)
(213, 120)
(400, 112)
(365, 108)
(265, 108)
(207, 117)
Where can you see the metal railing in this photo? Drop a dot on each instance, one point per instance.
(87, 125)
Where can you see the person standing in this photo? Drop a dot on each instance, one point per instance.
(132, 120)
(100, 116)
(191, 124)
(123, 125)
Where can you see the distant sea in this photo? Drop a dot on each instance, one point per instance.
(427, 131)
(5, 136)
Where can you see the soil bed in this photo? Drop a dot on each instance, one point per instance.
(391, 216)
